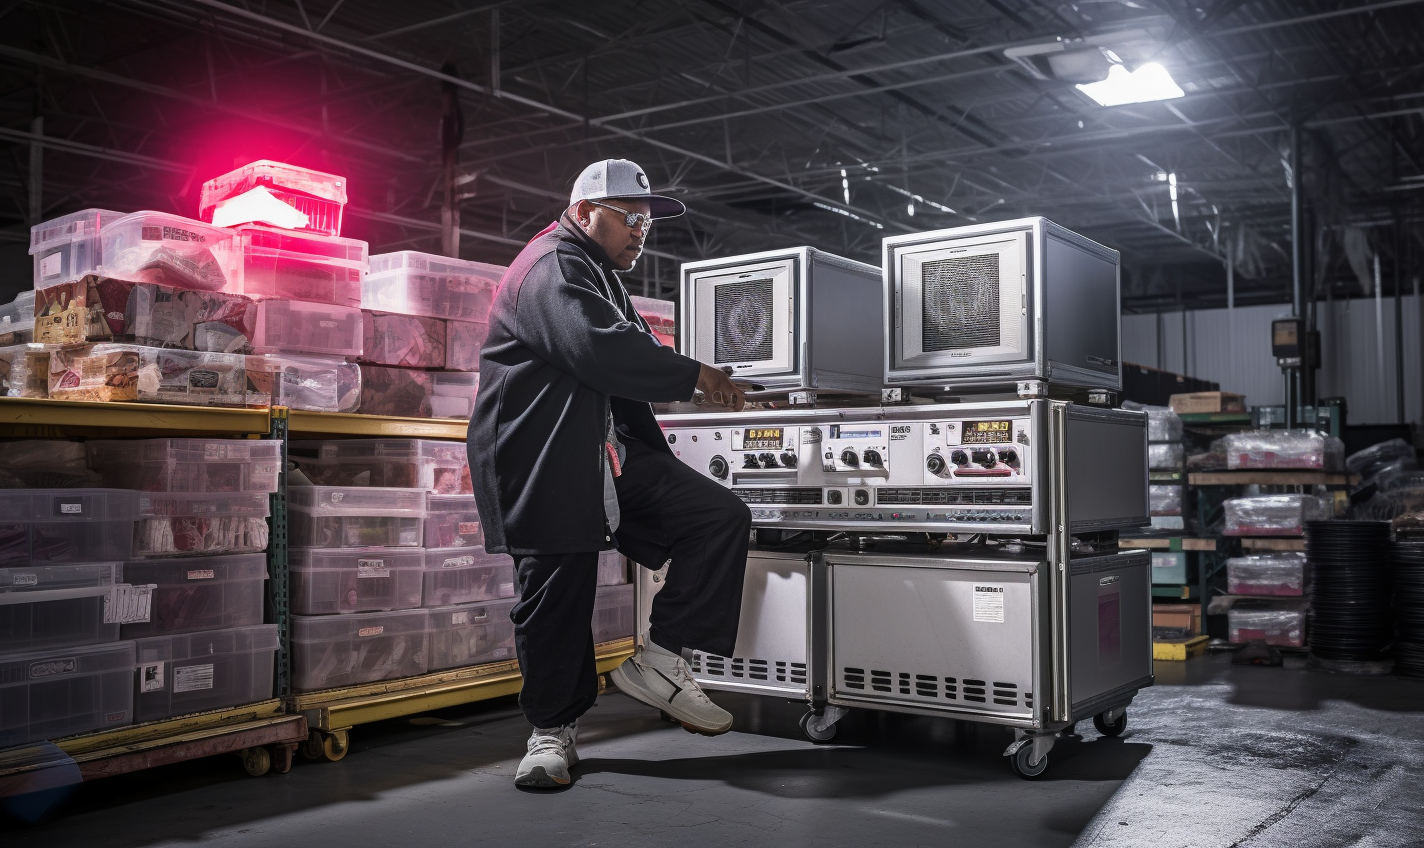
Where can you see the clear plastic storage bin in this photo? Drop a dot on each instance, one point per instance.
(1169, 567)
(293, 326)
(463, 340)
(613, 613)
(98, 309)
(55, 606)
(24, 371)
(1283, 574)
(275, 193)
(439, 467)
(120, 372)
(1272, 515)
(355, 517)
(1285, 628)
(188, 524)
(1284, 449)
(17, 320)
(452, 521)
(411, 283)
(345, 580)
(193, 672)
(310, 382)
(465, 576)
(156, 247)
(66, 525)
(612, 569)
(343, 650)
(1164, 499)
(410, 341)
(473, 634)
(67, 248)
(452, 394)
(62, 691)
(188, 465)
(299, 266)
(199, 593)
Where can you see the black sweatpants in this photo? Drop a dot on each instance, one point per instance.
(668, 511)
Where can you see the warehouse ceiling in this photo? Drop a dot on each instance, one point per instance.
(823, 122)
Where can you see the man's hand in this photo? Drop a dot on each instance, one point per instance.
(718, 388)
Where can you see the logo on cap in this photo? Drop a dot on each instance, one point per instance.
(642, 180)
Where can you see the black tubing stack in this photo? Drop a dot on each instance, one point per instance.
(1409, 609)
(1351, 617)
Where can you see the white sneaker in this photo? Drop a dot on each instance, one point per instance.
(661, 679)
(551, 755)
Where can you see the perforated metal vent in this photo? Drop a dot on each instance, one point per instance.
(744, 321)
(960, 303)
(801, 496)
(747, 668)
(931, 686)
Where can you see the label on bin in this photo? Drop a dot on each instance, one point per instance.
(49, 668)
(467, 527)
(459, 618)
(192, 678)
(71, 507)
(150, 677)
(128, 604)
(458, 561)
(989, 603)
(371, 568)
(24, 579)
(52, 264)
(371, 631)
(201, 574)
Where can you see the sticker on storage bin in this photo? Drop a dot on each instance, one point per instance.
(64, 507)
(150, 677)
(128, 604)
(989, 603)
(458, 561)
(50, 668)
(51, 265)
(202, 574)
(192, 678)
(24, 579)
(467, 527)
(371, 631)
(459, 618)
(372, 568)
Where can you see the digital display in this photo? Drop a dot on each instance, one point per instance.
(987, 432)
(762, 438)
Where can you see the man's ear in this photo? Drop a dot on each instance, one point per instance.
(583, 213)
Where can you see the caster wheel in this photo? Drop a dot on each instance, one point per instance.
(662, 714)
(325, 746)
(1110, 730)
(1020, 763)
(256, 761)
(282, 757)
(816, 735)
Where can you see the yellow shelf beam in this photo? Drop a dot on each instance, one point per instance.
(338, 709)
(45, 417)
(138, 736)
(307, 424)
(1263, 477)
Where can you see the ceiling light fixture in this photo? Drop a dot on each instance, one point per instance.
(1149, 82)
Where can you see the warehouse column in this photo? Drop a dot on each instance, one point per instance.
(36, 186)
(1292, 398)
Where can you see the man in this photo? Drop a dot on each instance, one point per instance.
(568, 461)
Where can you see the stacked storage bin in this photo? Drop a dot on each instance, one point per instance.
(63, 669)
(425, 319)
(613, 606)
(200, 542)
(1165, 453)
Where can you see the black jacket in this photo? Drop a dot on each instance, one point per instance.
(564, 341)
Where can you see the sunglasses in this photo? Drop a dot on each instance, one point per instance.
(630, 219)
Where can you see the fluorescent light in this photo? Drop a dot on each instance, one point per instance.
(910, 210)
(1147, 83)
(829, 208)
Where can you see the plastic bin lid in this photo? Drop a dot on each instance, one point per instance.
(167, 572)
(173, 227)
(493, 611)
(435, 264)
(45, 505)
(392, 448)
(38, 583)
(343, 559)
(75, 225)
(265, 172)
(450, 503)
(359, 625)
(357, 500)
(22, 669)
(186, 646)
(439, 559)
(114, 451)
(253, 240)
(255, 504)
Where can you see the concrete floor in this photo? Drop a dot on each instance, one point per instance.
(1214, 755)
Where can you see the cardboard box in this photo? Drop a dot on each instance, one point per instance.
(1174, 620)
(1208, 402)
(98, 309)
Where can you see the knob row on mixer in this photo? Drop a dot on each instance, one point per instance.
(985, 458)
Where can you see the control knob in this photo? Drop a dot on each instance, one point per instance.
(872, 458)
(959, 458)
(1009, 457)
(788, 459)
(985, 458)
(849, 457)
(718, 468)
(935, 464)
(768, 460)
(750, 461)
(862, 497)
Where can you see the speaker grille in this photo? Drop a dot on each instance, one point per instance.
(744, 321)
(960, 303)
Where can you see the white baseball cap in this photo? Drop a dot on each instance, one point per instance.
(620, 179)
